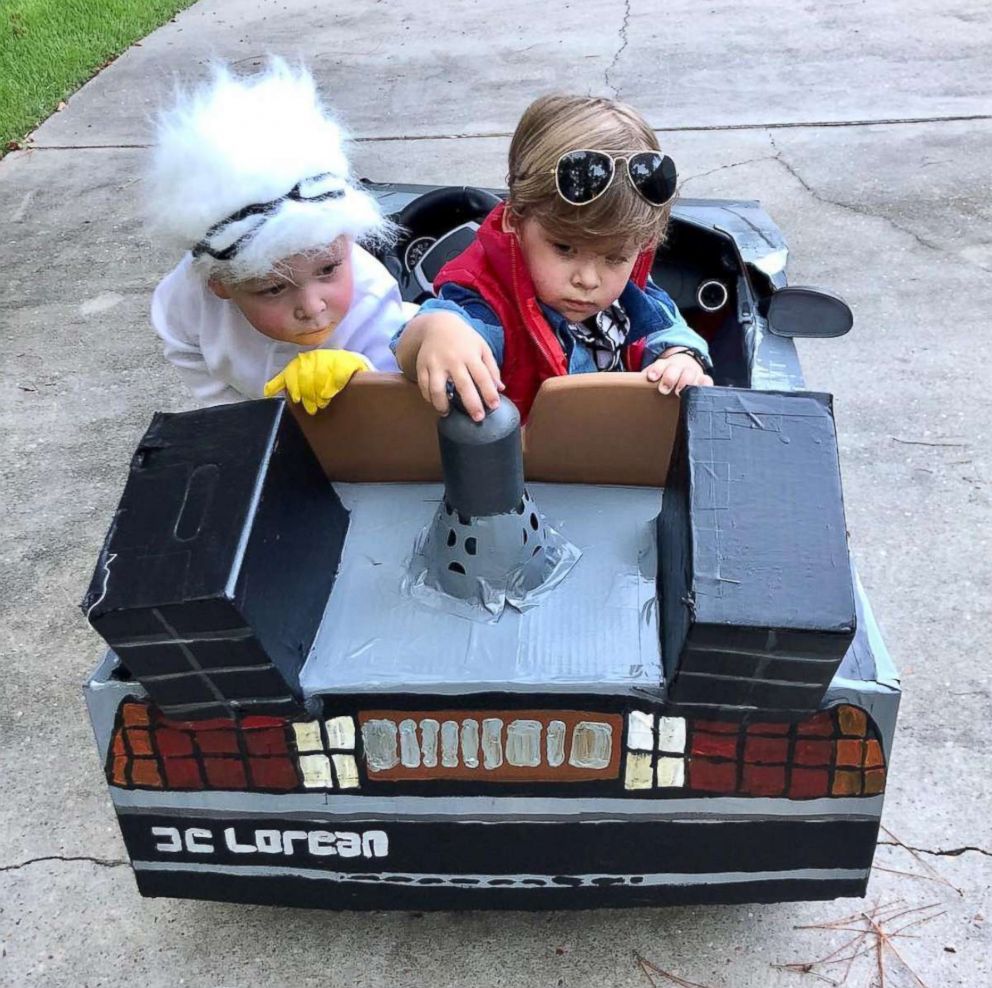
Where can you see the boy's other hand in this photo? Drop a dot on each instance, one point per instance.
(315, 377)
(451, 350)
(675, 370)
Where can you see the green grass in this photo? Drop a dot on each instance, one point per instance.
(49, 48)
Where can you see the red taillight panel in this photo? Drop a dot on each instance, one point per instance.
(834, 753)
(149, 751)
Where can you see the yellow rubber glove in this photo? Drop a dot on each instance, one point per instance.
(316, 376)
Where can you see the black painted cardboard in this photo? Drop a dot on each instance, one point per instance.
(754, 576)
(219, 561)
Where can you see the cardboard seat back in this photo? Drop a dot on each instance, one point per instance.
(589, 428)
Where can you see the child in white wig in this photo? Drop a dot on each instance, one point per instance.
(249, 176)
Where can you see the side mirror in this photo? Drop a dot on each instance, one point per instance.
(796, 311)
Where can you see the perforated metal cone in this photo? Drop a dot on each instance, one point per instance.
(488, 543)
(501, 551)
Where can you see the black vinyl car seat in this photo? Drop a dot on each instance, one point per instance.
(437, 227)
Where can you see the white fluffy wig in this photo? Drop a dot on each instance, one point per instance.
(249, 171)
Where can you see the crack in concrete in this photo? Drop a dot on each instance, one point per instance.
(813, 124)
(482, 135)
(953, 852)
(103, 862)
(619, 51)
(28, 148)
(860, 211)
(723, 168)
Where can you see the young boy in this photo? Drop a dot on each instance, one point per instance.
(250, 177)
(556, 281)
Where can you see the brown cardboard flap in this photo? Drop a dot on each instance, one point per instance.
(378, 428)
(589, 428)
(600, 429)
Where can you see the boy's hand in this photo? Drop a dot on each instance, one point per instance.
(316, 376)
(674, 370)
(451, 350)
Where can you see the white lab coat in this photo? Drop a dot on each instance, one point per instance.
(222, 358)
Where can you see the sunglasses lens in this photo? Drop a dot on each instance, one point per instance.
(583, 175)
(653, 175)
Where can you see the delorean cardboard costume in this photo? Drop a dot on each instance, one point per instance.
(371, 660)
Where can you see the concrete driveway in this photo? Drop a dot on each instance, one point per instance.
(864, 127)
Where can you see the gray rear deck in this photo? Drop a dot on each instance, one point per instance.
(597, 630)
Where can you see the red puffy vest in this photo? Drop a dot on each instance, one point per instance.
(493, 266)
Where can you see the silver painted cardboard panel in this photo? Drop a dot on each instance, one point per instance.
(598, 629)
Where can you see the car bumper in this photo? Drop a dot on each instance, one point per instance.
(612, 853)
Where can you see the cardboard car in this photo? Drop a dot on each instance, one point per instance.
(373, 659)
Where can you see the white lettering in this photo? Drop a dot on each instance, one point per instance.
(288, 836)
(194, 837)
(375, 844)
(231, 840)
(175, 843)
(320, 843)
(349, 846)
(269, 841)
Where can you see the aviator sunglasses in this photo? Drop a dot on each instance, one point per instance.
(583, 175)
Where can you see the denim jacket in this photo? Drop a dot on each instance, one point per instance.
(654, 318)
